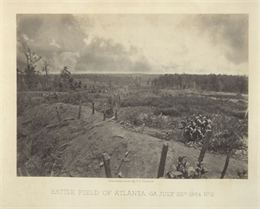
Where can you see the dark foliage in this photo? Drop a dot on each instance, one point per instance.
(212, 82)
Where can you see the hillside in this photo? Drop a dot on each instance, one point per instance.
(74, 148)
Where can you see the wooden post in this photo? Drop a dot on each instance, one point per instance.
(58, 114)
(106, 160)
(162, 160)
(226, 164)
(205, 145)
(30, 100)
(79, 109)
(142, 128)
(104, 111)
(116, 112)
(119, 102)
(93, 108)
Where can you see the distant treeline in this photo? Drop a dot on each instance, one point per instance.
(212, 82)
(118, 79)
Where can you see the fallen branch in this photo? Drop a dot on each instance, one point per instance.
(167, 125)
(102, 122)
(57, 125)
(68, 119)
(64, 145)
(122, 161)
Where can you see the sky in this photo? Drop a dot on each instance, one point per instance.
(133, 43)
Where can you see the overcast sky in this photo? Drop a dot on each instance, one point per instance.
(197, 44)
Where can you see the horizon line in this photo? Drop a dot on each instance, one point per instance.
(139, 73)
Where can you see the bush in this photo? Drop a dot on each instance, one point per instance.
(184, 171)
(194, 129)
(186, 105)
(241, 173)
(167, 111)
(227, 131)
(133, 118)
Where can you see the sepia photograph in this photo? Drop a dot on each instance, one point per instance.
(129, 104)
(150, 96)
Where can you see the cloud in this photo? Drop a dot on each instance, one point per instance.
(137, 43)
(54, 43)
(229, 32)
(104, 55)
(68, 59)
(49, 36)
(88, 40)
(54, 30)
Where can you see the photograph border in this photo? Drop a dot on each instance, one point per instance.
(40, 192)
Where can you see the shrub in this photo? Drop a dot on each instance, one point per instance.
(184, 171)
(167, 111)
(241, 173)
(194, 129)
(228, 131)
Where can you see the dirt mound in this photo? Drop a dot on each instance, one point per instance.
(75, 146)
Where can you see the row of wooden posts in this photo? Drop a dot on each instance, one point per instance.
(93, 111)
(106, 158)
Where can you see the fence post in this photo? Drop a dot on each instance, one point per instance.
(205, 145)
(93, 107)
(226, 164)
(142, 128)
(30, 100)
(116, 112)
(104, 111)
(79, 109)
(58, 114)
(106, 160)
(162, 160)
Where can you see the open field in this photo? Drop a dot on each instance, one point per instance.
(59, 137)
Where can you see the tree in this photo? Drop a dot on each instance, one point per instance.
(67, 81)
(241, 84)
(45, 70)
(30, 72)
(65, 74)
